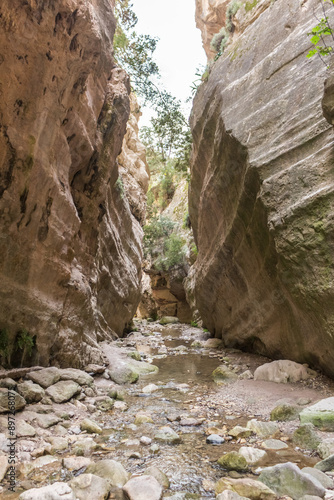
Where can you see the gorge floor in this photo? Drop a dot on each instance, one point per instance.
(181, 395)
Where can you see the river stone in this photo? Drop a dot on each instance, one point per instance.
(326, 465)
(321, 414)
(63, 391)
(281, 371)
(325, 480)
(32, 393)
(46, 420)
(57, 443)
(233, 461)
(191, 421)
(159, 476)
(169, 320)
(23, 429)
(8, 383)
(45, 377)
(104, 403)
(123, 373)
(135, 355)
(148, 389)
(326, 447)
(40, 462)
(274, 444)
(84, 447)
(253, 456)
(110, 470)
(212, 343)
(287, 479)
(305, 437)
(222, 374)
(78, 376)
(284, 413)
(143, 418)
(96, 369)
(167, 435)
(246, 487)
(76, 463)
(89, 487)
(145, 441)
(215, 439)
(55, 491)
(143, 488)
(183, 495)
(263, 429)
(90, 426)
(18, 403)
(230, 495)
(240, 432)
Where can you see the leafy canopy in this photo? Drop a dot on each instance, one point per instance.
(319, 37)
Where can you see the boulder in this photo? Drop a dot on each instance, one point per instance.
(233, 461)
(245, 487)
(325, 480)
(55, 491)
(321, 414)
(89, 487)
(240, 432)
(90, 426)
(45, 377)
(10, 400)
(143, 488)
(111, 471)
(78, 376)
(287, 479)
(263, 429)
(223, 374)
(305, 437)
(282, 372)
(325, 465)
(63, 391)
(253, 456)
(215, 439)
(230, 495)
(167, 435)
(159, 476)
(32, 393)
(284, 413)
(46, 420)
(326, 447)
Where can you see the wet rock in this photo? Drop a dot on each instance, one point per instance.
(3, 466)
(223, 374)
(246, 487)
(55, 491)
(325, 480)
(84, 447)
(233, 461)
(76, 463)
(326, 447)
(145, 441)
(45, 377)
(167, 435)
(78, 376)
(143, 488)
(253, 456)
(32, 393)
(88, 487)
(143, 418)
(263, 429)
(135, 355)
(90, 426)
(305, 437)
(230, 495)
(169, 320)
(282, 372)
(325, 465)
(8, 383)
(104, 403)
(274, 444)
(215, 439)
(16, 400)
(321, 414)
(63, 391)
(240, 432)
(287, 479)
(111, 471)
(159, 476)
(148, 389)
(284, 413)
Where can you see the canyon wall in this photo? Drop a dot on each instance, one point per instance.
(262, 189)
(70, 256)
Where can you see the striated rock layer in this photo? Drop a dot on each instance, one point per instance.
(70, 255)
(262, 191)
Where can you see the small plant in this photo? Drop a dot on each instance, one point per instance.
(194, 323)
(231, 11)
(119, 185)
(25, 342)
(319, 36)
(4, 342)
(219, 41)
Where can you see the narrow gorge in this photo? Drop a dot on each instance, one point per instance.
(167, 299)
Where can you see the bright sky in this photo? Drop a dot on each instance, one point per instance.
(179, 52)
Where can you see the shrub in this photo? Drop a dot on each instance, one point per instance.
(219, 41)
(155, 233)
(4, 342)
(119, 185)
(231, 11)
(25, 341)
(173, 253)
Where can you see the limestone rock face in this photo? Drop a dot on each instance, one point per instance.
(210, 17)
(70, 248)
(261, 192)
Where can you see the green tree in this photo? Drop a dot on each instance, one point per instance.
(322, 36)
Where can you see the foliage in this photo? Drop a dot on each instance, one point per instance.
(202, 74)
(250, 5)
(319, 36)
(194, 323)
(160, 227)
(119, 185)
(231, 11)
(219, 41)
(25, 341)
(4, 342)
(173, 253)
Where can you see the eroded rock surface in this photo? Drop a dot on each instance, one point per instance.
(261, 191)
(70, 249)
